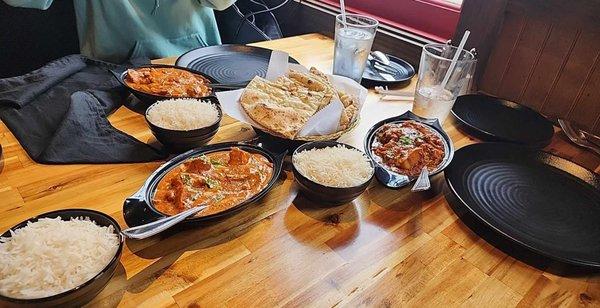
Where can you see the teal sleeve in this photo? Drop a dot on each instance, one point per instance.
(31, 4)
(218, 5)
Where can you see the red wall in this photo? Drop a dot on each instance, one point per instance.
(434, 19)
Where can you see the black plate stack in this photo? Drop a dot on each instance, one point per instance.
(528, 201)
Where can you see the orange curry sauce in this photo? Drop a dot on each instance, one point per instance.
(167, 81)
(220, 180)
(409, 146)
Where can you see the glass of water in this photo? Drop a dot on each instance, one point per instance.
(432, 99)
(352, 44)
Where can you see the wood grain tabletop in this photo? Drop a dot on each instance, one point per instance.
(387, 248)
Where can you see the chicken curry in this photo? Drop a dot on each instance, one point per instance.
(408, 147)
(167, 81)
(221, 180)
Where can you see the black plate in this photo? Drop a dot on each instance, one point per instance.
(138, 209)
(372, 77)
(532, 199)
(148, 99)
(229, 63)
(495, 119)
(392, 179)
(326, 194)
(87, 291)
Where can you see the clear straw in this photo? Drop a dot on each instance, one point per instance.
(343, 11)
(455, 59)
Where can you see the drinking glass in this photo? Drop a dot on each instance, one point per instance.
(431, 100)
(353, 44)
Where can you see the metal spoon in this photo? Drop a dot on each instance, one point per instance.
(381, 57)
(153, 228)
(577, 137)
(422, 183)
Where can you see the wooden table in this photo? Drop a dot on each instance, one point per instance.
(386, 248)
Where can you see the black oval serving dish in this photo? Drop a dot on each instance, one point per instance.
(391, 179)
(148, 99)
(327, 194)
(138, 209)
(87, 291)
(178, 141)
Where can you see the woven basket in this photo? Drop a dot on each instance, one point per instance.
(333, 136)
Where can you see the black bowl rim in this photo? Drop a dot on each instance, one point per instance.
(212, 100)
(112, 261)
(121, 78)
(508, 104)
(312, 144)
(143, 195)
(408, 116)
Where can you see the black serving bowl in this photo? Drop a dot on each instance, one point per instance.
(139, 209)
(87, 291)
(178, 141)
(391, 179)
(326, 194)
(148, 99)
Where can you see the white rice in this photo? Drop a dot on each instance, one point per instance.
(334, 166)
(51, 256)
(183, 114)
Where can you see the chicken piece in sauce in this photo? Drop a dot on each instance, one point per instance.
(409, 146)
(220, 180)
(167, 81)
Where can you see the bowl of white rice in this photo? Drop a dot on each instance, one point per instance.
(60, 258)
(331, 172)
(181, 124)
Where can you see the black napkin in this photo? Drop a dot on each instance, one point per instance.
(58, 114)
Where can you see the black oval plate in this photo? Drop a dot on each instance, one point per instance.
(373, 77)
(228, 63)
(495, 119)
(138, 209)
(391, 179)
(530, 199)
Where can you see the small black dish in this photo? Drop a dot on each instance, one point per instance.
(529, 200)
(138, 209)
(229, 63)
(372, 76)
(84, 293)
(391, 179)
(326, 194)
(178, 141)
(494, 119)
(148, 99)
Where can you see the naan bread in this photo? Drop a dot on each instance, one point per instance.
(278, 118)
(349, 101)
(285, 105)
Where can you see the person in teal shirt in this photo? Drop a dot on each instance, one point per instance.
(116, 30)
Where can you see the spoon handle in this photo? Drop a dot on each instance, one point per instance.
(153, 228)
(422, 183)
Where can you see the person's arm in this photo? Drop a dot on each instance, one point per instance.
(30, 4)
(218, 5)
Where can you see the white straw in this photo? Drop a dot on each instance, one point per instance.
(455, 59)
(343, 11)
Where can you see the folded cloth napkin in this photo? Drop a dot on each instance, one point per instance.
(58, 114)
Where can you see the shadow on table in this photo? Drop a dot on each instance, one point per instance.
(319, 223)
(113, 293)
(171, 244)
